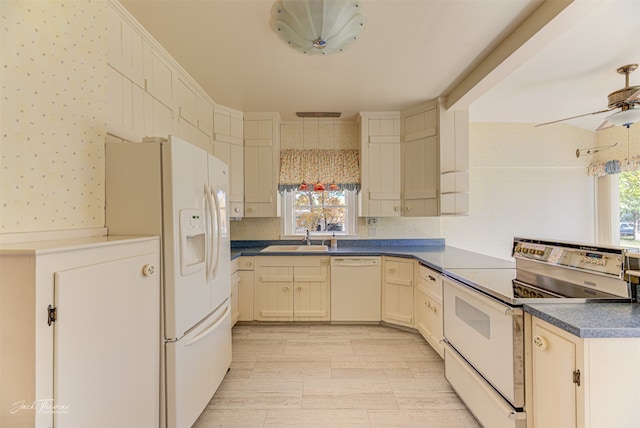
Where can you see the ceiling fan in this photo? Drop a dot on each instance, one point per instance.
(625, 99)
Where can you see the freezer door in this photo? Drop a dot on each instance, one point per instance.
(195, 367)
(185, 191)
(220, 267)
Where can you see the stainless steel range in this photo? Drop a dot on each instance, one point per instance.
(484, 323)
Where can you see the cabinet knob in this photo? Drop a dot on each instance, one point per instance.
(286, 288)
(540, 342)
(392, 270)
(236, 209)
(249, 263)
(250, 210)
(396, 209)
(148, 270)
(299, 288)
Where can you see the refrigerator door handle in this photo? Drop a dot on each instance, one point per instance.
(198, 337)
(215, 244)
(208, 231)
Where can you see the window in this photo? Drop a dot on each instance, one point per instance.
(629, 188)
(321, 212)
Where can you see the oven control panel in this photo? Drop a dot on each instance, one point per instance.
(602, 260)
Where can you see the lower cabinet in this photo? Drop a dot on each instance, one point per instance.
(246, 285)
(80, 329)
(292, 289)
(397, 291)
(576, 382)
(235, 282)
(428, 307)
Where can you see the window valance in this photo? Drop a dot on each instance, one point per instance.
(335, 169)
(600, 169)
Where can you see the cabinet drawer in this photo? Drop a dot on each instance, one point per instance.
(429, 282)
(245, 263)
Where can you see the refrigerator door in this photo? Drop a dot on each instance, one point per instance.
(187, 294)
(220, 272)
(195, 367)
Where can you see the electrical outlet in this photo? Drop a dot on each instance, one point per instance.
(371, 221)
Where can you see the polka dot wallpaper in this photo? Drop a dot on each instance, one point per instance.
(53, 113)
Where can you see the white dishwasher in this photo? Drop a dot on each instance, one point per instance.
(355, 289)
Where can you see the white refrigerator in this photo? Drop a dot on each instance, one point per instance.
(173, 189)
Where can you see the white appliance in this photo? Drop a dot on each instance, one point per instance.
(355, 289)
(484, 323)
(173, 189)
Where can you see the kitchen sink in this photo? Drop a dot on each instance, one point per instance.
(295, 248)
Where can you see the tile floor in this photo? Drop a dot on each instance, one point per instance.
(333, 376)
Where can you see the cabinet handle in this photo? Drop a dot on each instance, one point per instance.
(249, 263)
(236, 209)
(299, 288)
(286, 288)
(148, 270)
(250, 210)
(540, 342)
(392, 270)
(396, 209)
(432, 278)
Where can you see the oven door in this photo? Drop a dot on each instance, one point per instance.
(489, 335)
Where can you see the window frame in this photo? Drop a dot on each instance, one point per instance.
(351, 220)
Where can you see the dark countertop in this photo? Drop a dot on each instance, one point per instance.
(585, 320)
(432, 253)
(591, 320)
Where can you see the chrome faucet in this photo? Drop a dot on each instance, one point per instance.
(307, 238)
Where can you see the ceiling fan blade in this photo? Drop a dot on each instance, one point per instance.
(573, 117)
(605, 125)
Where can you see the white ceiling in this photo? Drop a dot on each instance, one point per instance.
(411, 51)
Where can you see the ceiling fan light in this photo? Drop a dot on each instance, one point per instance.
(624, 118)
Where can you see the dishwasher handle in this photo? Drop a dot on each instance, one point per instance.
(355, 261)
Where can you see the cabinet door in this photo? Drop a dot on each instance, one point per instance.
(159, 76)
(431, 320)
(553, 391)
(274, 294)
(235, 302)
(311, 299)
(384, 177)
(420, 163)
(398, 292)
(245, 295)
(259, 185)
(106, 344)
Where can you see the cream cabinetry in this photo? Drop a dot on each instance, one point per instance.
(261, 164)
(292, 289)
(420, 161)
(80, 331)
(380, 164)
(228, 145)
(235, 292)
(428, 306)
(576, 382)
(246, 286)
(414, 163)
(397, 291)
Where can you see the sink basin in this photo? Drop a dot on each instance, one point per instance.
(295, 248)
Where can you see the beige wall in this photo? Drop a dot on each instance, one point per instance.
(53, 115)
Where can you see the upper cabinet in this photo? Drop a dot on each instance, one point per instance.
(380, 164)
(415, 163)
(261, 164)
(228, 145)
(420, 161)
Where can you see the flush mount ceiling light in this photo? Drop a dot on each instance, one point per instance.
(318, 27)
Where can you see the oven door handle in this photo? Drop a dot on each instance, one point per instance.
(513, 311)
